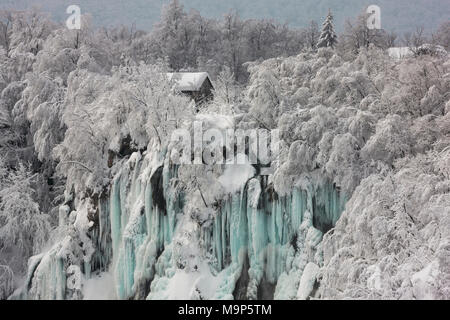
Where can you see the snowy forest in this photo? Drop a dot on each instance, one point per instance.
(95, 204)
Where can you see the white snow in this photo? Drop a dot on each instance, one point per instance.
(100, 287)
(216, 121)
(374, 282)
(424, 280)
(400, 52)
(307, 281)
(195, 280)
(235, 176)
(188, 81)
(188, 285)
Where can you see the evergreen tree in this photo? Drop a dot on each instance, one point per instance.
(328, 37)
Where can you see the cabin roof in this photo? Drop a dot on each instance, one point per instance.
(188, 81)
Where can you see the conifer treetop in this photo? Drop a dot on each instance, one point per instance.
(328, 37)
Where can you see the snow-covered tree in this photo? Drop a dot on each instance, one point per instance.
(312, 34)
(442, 35)
(24, 228)
(328, 37)
(6, 281)
(226, 91)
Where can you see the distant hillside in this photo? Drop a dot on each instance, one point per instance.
(398, 15)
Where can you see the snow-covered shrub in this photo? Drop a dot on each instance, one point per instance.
(434, 50)
(118, 114)
(24, 230)
(394, 232)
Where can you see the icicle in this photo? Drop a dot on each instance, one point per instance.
(260, 242)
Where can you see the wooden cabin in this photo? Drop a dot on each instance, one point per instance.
(196, 85)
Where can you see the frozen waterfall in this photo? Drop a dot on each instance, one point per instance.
(255, 245)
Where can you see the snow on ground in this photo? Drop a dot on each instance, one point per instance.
(424, 280)
(188, 285)
(400, 52)
(100, 287)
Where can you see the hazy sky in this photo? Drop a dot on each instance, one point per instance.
(398, 15)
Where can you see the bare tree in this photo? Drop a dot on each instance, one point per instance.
(312, 35)
(442, 35)
(413, 40)
(6, 22)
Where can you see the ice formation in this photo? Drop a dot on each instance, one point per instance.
(138, 240)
